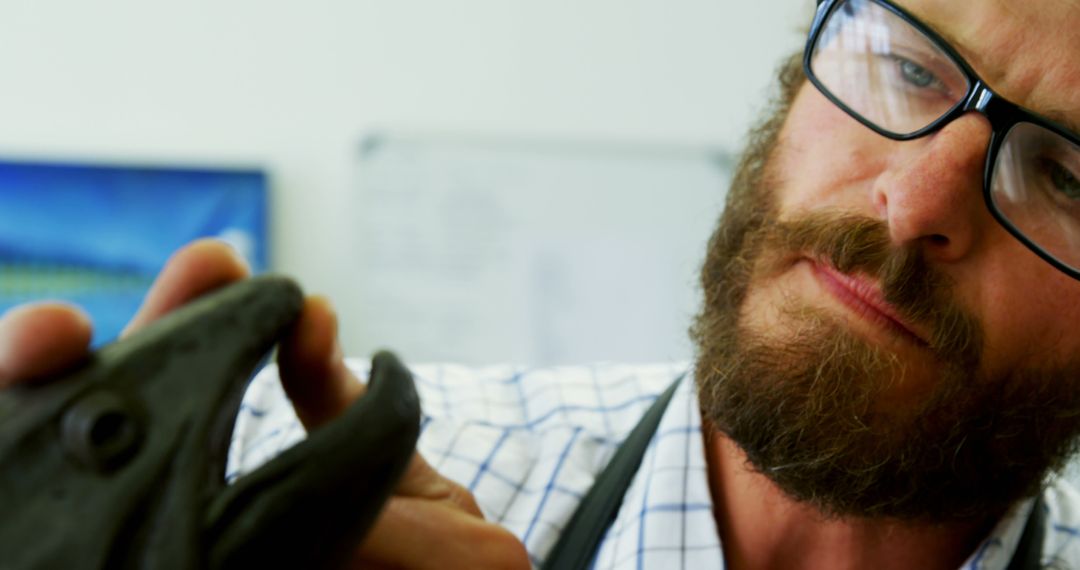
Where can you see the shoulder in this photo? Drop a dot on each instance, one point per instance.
(602, 400)
(529, 442)
(605, 399)
(1061, 543)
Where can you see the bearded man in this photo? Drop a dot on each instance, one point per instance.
(887, 371)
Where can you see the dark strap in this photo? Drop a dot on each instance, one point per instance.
(582, 535)
(1029, 549)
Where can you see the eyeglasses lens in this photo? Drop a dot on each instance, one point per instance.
(885, 70)
(1036, 186)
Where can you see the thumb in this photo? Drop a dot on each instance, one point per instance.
(321, 387)
(424, 482)
(313, 371)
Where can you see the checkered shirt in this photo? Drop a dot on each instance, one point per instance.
(530, 442)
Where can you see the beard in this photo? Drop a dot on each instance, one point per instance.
(810, 405)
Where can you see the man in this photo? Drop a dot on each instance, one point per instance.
(887, 367)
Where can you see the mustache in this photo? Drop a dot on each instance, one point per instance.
(920, 292)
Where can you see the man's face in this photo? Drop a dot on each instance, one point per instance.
(928, 191)
(860, 295)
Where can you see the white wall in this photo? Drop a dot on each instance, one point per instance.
(293, 86)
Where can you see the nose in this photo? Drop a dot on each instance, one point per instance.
(931, 192)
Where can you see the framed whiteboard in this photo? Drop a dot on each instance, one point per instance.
(532, 252)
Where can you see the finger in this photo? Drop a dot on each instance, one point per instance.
(312, 366)
(422, 481)
(41, 339)
(320, 386)
(418, 533)
(198, 268)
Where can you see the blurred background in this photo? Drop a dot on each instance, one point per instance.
(476, 180)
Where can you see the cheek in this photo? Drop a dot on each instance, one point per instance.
(1030, 314)
(826, 158)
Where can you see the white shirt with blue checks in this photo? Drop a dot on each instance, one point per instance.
(529, 443)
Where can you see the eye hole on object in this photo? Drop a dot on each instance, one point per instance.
(100, 432)
(108, 428)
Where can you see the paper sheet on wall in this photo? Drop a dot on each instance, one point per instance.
(532, 253)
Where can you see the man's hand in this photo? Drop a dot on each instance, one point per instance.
(431, 522)
(42, 339)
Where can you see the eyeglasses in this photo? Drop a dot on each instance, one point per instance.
(895, 75)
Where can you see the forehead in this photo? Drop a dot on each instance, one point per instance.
(1028, 51)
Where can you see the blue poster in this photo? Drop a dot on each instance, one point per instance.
(96, 235)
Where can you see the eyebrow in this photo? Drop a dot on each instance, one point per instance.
(1057, 115)
(1062, 118)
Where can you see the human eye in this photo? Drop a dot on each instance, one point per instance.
(1063, 180)
(916, 76)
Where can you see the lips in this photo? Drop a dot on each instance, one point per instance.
(865, 298)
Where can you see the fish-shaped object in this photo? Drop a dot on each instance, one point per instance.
(121, 463)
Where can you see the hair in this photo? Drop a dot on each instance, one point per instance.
(747, 207)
